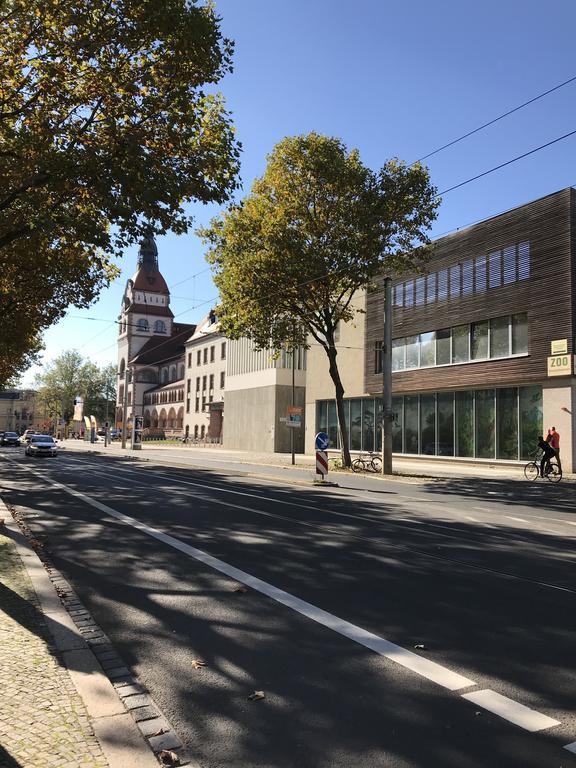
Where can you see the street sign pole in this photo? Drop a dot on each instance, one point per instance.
(387, 381)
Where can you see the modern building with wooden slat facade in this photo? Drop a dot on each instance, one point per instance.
(483, 343)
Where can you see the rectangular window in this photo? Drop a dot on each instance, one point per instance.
(210, 398)
(520, 334)
(397, 424)
(222, 379)
(420, 291)
(377, 357)
(479, 340)
(198, 357)
(197, 404)
(464, 423)
(445, 409)
(455, 281)
(409, 294)
(468, 278)
(356, 424)
(188, 385)
(197, 383)
(212, 353)
(427, 349)
(332, 431)
(205, 354)
(485, 423)
(204, 378)
(507, 423)
(442, 285)
(431, 288)
(211, 385)
(411, 424)
(412, 350)
(223, 351)
(187, 405)
(523, 261)
(461, 344)
(368, 424)
(399, 295)
(495, 269)
(509, 264)
(480, 276)
(530, 419)
(428, 424)
(203, 402)
(500, 337)
(189, 359)
(443, 347)
(398, 363)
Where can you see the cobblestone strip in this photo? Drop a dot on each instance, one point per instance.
(153, 725)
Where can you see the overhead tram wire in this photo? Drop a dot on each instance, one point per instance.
(495, 120)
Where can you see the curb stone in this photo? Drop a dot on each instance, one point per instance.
(130, 727)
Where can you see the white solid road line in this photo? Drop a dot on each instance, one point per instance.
(517, 519)
(423, 667)
(510, 710)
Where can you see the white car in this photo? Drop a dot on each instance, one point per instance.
(41, 445)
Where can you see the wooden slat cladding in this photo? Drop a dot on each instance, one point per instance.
(547, 297)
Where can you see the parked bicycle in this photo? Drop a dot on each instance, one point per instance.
(551, 471)
(370, 462)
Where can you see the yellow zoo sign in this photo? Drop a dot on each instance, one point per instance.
(560, 365)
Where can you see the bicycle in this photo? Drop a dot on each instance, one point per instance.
(371, 462)
(551, 471)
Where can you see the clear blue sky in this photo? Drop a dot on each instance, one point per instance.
(392, 79)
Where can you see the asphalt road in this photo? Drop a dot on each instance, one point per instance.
(342, 585)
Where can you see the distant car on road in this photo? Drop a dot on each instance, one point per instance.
(41, 445)
(28, 434)
(10, 438)
(115, 434)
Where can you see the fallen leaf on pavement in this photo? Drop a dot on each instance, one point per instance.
(167, 757)
(256, 696)
(240, 589)
(198, 663)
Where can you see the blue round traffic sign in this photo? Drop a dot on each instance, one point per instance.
(322, 441)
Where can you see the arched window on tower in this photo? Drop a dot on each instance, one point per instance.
(159, 326)
(142, 324)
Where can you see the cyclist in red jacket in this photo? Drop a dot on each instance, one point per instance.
(554, 440)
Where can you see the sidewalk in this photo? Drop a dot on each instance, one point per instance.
(218, 456)
(57, 707)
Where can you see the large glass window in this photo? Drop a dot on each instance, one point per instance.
(485, 422)
(524, 261)
(455, 281)
(420, 291)
(495, 269)
(332, 429)
(467, 277)
(427, 349)
(397, 354)
(399, 295)
(397, 424)
(460, 344)
(443, 348)
(519, 334)
(530, 419)
(428, 424)
(321, 414)
(355, 424)
(480, 277)
(479, 340)
(431, 288)
(412, 350)
(367, 425)
(442, 284)
(509, 264)
(411, 424)
(499, 337)
(445, 409)
(378, 425)
(409, 294)
(377, 357)
(507, 423)
(464, 423)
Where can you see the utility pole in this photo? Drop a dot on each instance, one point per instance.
(387, 381)
(125, 407)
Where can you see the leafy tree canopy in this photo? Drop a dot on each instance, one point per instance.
(317, 227)
(109, 124)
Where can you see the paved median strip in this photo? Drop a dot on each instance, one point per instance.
(502, 706)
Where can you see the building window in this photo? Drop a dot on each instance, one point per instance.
(378, 356)
(409, 294)
(455, 281)
(222, 379)
(188, 386)
(442, 284)
(197, 405)
(412, 351)
(461, 344)
(203, 402)
(210, 398)
(520, 334)
(197, 383)
(431, 288)
(223, 351)
(159, 326)
(398, 361)
(189, 359)
(399, 295)
(212, 353)
(479, 340)
(427, 349)
(509, 265)
(524, 261)
(443, 347)
(187, 405)
(495, 269)
(198, 357)
(205, 354)
(420, 291)
(211, 385)
(467, 278)
(480, 277)
(142, 324)
(500, 337)
(203, 383)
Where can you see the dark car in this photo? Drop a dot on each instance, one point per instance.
(10, 438)
(41, 445)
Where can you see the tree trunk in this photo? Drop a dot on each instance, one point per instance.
(339, 389)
